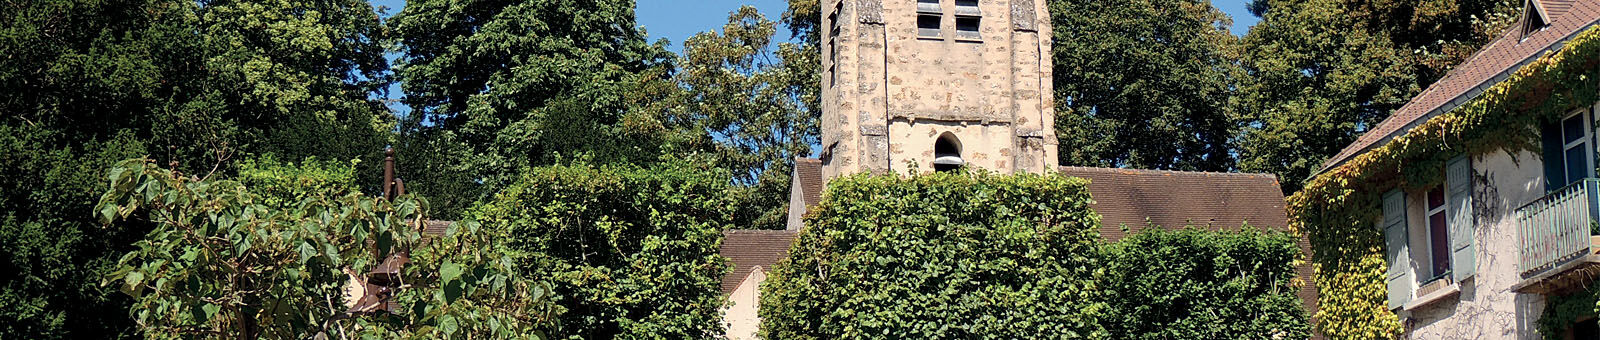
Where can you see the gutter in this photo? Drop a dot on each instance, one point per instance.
(1461, 99)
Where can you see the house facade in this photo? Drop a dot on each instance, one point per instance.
(1503, 231)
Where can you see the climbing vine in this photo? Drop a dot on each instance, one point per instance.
(1560, 312)
(1337, 208)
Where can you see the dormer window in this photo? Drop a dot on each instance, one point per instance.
(947, 153)
(1533, 18)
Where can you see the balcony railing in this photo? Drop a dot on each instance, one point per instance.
(1555, 229)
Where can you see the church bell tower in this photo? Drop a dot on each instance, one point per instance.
(936, 84)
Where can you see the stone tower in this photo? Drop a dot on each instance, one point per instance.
(936, 83)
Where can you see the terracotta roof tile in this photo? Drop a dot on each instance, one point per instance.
(1178, 198)
(750, 248)
(809, 171)
(1501, 56)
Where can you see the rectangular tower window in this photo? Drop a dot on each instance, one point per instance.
(928, 6)
(967, 28)
(833, 44)
(928, 26)
(967, 8)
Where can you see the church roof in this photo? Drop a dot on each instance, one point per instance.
(1179, 198)
(1488, 66)
(750, 248)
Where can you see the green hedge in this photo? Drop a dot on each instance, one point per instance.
(947, 255)
(632, 252)
(1195, 284)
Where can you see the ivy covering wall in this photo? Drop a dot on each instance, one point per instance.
(984, 256)
(1337, 209)
(941, 256)
(1196, 284)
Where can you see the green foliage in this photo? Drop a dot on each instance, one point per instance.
(751, 108)
(53, 253)
(1336, 209)
(1155, 95)
(1325, 71)
(103, 81)
(221, 264)
(632, 252)
(943, 255)
(1196, 284)
(508, 84)
(1561, 311)
(283, 184)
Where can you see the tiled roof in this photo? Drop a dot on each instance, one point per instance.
(1485, 68)
(1176, 199)
(809, 172)
(750, 248)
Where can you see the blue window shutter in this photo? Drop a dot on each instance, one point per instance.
(1397, 249)
(1550, 144)
(1458, 186)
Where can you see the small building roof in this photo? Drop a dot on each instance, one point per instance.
(748, 249)
(1488, 66)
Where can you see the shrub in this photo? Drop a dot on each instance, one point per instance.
(280, 184)
(220, 264)
(945, 255)
(1196, 284)
(632, 252)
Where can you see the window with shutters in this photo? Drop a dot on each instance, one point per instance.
(1429, 238)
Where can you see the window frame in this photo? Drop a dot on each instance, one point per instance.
(936, 32)
(1435, 272)
(1586, 142)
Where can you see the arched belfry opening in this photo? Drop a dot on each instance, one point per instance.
(947, 153)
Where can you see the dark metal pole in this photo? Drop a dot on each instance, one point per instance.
(388, 173)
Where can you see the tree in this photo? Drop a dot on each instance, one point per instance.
(632, 252)
(199, 83)
(757, 109)
(500, 85)
(1152, 95)
(1323, 72)
(220, 263)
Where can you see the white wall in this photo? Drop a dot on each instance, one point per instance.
(1486, 308)
(739, 315)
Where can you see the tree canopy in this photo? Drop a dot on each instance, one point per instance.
(199, 83)
(1322, 72)
(1155, 94)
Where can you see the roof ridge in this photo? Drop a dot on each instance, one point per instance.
(1064, 168)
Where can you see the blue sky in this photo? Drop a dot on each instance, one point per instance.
(677, 20)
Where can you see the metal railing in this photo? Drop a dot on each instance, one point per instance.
(1555, 228)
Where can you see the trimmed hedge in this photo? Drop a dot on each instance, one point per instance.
(1196, 284)
(632, 252)
(968, 255)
